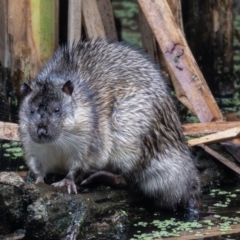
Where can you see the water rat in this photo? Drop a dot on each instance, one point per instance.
(100, 105)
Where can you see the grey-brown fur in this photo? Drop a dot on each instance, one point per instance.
(119, 117)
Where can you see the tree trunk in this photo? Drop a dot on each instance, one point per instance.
(209, 31)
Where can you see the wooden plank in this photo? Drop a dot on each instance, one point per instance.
(107, 16)
(9, 131)
(221, 158)
(233, 147)
(207, 128)
(181, 63)
(92, 20)
(216, 137)
(147, 36)
(150, 46)
(98, 19)
(12, 128)
(176, 7)
(74, 21)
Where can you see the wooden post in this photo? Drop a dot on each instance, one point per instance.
(98, 19)
(107, 16)
(27, 36)
(74, 20)
(180, 60)
(148, 40)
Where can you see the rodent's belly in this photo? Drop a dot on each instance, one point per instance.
(59, 164)
(54, 160)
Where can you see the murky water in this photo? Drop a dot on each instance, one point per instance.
(219, 219)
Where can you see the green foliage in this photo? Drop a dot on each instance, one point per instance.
(12, 150)
(127, 14)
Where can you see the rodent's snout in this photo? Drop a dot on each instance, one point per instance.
(42, 132)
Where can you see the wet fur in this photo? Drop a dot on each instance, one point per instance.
(120, 117)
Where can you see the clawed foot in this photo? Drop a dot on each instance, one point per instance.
(70, 184)
(107, 178)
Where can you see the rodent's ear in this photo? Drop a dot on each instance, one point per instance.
(68, 87)
(25, 89)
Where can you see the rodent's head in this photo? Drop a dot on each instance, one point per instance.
(44, 107)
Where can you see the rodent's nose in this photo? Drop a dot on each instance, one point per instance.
(42, 132)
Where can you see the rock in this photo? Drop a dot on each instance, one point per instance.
(45, 212)
(11, 202)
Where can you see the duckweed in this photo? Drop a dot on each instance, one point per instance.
(173, 228)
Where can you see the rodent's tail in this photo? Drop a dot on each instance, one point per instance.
(171, 180)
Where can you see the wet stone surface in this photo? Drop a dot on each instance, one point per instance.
(45, 212)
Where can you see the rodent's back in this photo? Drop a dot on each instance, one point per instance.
(102, 64)
(110, 73)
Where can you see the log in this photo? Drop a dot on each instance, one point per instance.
(180, 61)
(9, 131)
(98, 19)
(207, 128)
(221, 158)
(74, 20)
(216, 137)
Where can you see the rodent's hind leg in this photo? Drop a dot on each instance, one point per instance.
(68, 182)
(107, 178)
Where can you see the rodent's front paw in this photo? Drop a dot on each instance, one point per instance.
(70, 184)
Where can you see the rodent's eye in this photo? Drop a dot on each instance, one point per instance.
(56, 109)
(31, 111)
